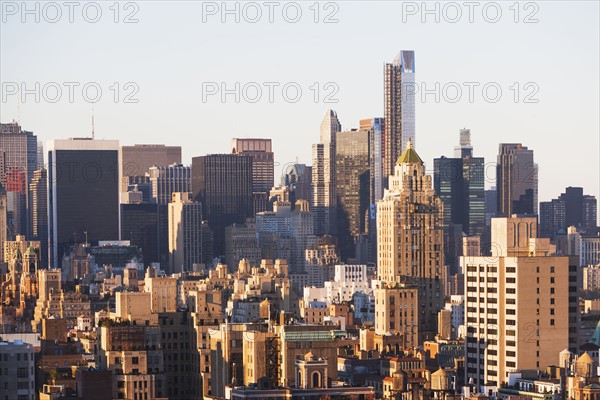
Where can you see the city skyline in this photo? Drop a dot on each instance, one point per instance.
(505, 121)
(244, 200)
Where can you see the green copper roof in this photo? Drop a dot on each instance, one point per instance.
(409, 156)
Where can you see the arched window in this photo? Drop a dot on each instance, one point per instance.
(316, 378)
(299, 383)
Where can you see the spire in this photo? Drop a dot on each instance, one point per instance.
(409, 156)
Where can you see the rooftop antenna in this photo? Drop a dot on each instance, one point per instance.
(19, 109)
(93, 129)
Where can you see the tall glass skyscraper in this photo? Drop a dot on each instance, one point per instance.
(460, 183)
(399, 108)
(352, 185)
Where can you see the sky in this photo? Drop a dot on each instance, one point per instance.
(198, 74)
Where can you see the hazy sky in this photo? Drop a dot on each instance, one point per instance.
(177, 51)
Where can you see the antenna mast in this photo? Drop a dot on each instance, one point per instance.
(93, 129)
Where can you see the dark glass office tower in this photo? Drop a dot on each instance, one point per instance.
(352, 175)
(83, 196)
(223, 184)
(459, 182)
(146, 226)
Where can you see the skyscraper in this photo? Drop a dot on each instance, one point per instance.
(399, 77)
(516, 180)
(174, 178)
(262, 167)
(298, 177)
(376, 127)
(20, 150)
(138, 159)
(3, 237)
(352, 177)
(83, 198)
(283, 233)
(39, 212)
(410, 238)
(146, 225)
(323, 176)
(460, 182)
(185, 233)
(223, 184)
(571, 208)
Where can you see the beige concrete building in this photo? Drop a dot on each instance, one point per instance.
(185, 233)
(397, 313)
(135, 307)
(163, 292)
(410, 239)
(137, 372)
(521, 304)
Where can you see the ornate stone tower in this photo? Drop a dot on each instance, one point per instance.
(410, 239)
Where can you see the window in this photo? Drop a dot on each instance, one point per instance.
(135, 360)
(552, 322)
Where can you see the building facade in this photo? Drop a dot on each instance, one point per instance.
(138, 159)
(185, 233)
(516, 180)
(223, 184)
(83, 197)
(353, 178)
(17, 380)
(323, 176)
(521, 304)
(170, 179)
(399, 103)
(410, 238)
(263, 174)
(571, 208)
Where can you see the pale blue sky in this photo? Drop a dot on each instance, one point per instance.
(170, 52)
